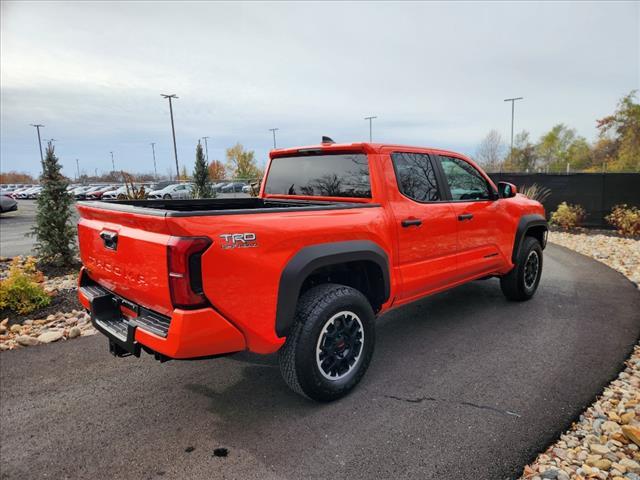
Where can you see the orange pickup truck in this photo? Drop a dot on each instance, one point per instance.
(339, 234)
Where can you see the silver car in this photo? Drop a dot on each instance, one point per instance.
(175, 191)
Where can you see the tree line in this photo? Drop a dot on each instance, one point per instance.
(616, 148)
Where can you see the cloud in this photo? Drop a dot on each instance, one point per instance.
(433, 73)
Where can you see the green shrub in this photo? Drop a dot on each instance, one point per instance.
(626, 220)
(568, 216)
(22, 290)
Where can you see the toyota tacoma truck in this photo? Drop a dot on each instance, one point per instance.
(339, 234)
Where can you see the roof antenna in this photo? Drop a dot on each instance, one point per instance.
(327, 140)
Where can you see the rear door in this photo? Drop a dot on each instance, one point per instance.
(476, 210)
(426, 225)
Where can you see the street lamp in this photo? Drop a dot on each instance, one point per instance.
(37, 126)
(513, 102)
(153, 149)
(206, 147)
(274, 130)
(173, 130)
(370, 127)
(113, 163)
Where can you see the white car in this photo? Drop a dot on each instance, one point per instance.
(176, 191)
(113, 194)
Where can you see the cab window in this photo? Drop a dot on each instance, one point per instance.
(465, 182)
(416, 176)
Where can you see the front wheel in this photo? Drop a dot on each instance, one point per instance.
(167, 196)
(522, 282)
(330, 345)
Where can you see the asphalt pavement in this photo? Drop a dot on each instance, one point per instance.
(463, 385)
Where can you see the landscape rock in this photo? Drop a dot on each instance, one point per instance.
(51, 336)
(26, 340)
(74, 332)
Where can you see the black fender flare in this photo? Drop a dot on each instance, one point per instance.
(524, 225)
(310, 258)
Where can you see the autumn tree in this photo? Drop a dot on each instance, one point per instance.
(201, 182)
(217, 170)
(523, 156)
(16, 177)
(619, 137)
(55, 234)
(242, 163)
(490, 151)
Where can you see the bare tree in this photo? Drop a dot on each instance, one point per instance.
(490, 153)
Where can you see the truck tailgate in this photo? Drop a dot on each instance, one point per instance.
(127, 254)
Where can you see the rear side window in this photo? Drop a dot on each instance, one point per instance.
(416, 176)
(465, 182)
(343, 175)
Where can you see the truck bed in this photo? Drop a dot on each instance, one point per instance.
(218, 206)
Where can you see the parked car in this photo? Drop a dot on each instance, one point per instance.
(82, 195)
(218, 186)
(233, 187)
(97, 194)
(305, 268)
(175, 191)
(32, 193)
(113, 194)
(7, 204)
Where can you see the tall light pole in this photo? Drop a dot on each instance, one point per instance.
(173, 130)
(274, 130)
(153, 149)
(513, 102)
(78, 169)
(370, 127)
(113, 163)
(37, 126)
(206, 147)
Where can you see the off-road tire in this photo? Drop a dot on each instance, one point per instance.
(298, 356)
(514, 285)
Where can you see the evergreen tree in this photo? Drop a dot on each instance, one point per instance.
(54, 231)
(201, 181)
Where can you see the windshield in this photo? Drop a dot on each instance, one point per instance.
(340, 175)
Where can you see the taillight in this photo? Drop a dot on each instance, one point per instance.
(185, 271)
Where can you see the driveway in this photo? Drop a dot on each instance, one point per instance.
(463, 385)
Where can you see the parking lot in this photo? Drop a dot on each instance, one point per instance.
(15, 226)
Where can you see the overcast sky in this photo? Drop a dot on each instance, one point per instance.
(435, 74)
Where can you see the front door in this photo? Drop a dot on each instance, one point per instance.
(476, 210)
(426, 226)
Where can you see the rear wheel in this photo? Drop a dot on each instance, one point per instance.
(330, 344)
(522, 282)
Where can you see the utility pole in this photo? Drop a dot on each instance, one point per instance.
(274, 130)
(370, 127)
(206, 147)
(173, 130)
(513, 102)
(113, 164)
(78, 169)
(37, 126)
(153, 149)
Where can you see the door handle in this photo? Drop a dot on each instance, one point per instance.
(465, 216)
(411, 222)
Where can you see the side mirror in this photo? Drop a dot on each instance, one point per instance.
(507, 190)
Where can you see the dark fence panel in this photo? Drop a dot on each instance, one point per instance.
(597, 193)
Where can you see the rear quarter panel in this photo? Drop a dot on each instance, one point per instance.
(242, 283)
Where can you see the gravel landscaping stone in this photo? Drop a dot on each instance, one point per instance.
(605, 441)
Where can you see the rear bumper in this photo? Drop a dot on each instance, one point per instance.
(187, 334)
